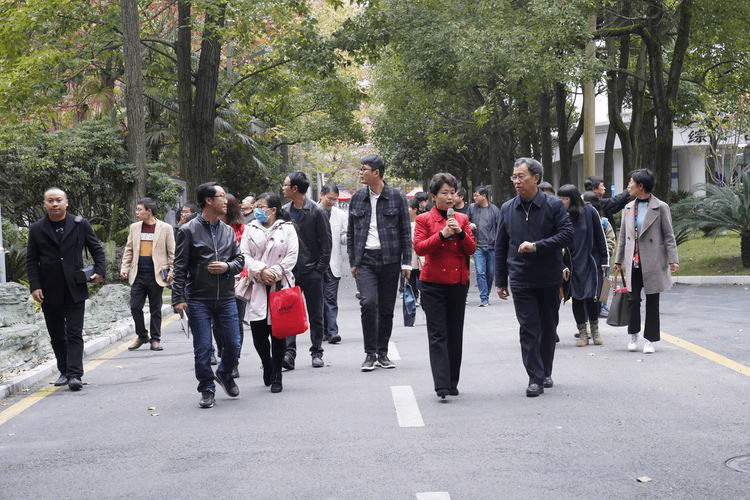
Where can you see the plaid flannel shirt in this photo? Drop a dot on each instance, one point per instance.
(394, 228)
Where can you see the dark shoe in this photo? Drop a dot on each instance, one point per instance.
(453, 392)
(335, 339)
(267, 375)
(534, 390)
(384, 362)
(229, 386)
(213, 359)
(369, 364)
(138, 343)
(276, 385)
(75, 384)
(317, 361)
(236, 373)
(441, 393)
(288, 363)
(548, 382)
(156, 345)
(207, 399)
(61, 380)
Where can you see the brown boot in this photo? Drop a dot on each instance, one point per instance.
(595, 336)
(583, 336)
(138, 343)
(156, 346)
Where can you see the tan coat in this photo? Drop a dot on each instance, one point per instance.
(162, 254)
(656, 246)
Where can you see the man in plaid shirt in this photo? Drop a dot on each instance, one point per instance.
(379, 247)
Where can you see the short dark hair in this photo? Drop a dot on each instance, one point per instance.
(571, 192)
(192, 206)
(206, 190)
(483, 190)
(299, 180)
(274, 201)
(149, 204)
(644, 176)
(329, 187)
(375, 162)
(544, 185)
(534, 167)
(461, 191)
(441, 178)
(592, 182)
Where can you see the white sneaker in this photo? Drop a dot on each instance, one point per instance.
(648, 347)
(633, 344)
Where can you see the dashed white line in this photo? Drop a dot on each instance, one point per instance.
(407, 409)
(393, 352)
(433, 495)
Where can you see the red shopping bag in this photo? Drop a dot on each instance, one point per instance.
(288, 314)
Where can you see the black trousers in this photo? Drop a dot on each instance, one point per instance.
(270, 349)
(145, 285)
(585, 309)
(537, 311)
(378, 288)
(65, 327)
(652, 328)
(311, 284)
(444, 307)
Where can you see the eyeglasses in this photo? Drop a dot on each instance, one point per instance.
(219, 196)
(519, 177)
(364, 168)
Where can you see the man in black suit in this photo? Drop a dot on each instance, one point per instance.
(54, 263)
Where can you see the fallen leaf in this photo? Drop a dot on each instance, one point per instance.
(591, 354)
(151, 408)
(154, 414)
(643, 479)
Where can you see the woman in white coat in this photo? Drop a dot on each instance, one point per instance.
(270, 247)
(648, 252)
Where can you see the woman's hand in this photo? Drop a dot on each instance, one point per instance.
(566, 274)
(267, 276)
(616, 268)
(452, 227)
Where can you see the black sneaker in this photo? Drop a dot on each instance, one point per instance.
(229, 385)
(334, 339)
(75, 384)
(207, 400)
(384, 362)
(61, 380)
(317, 361)
(369, 364)
(276, 386)
(288, 363)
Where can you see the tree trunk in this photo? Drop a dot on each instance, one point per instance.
(134, 99)
(185, 95)
(545, 132)
(562, 133)
(745, 248)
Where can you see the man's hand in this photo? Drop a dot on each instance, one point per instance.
(169, 279)
(674, 267)
(566, 274)
(218, 267)
(95, 278)
(406, 273)
(527, 247)
(502, 292)
(38, 295)
(180, 309)
(124, 274)
(354, 272)
(616, 268)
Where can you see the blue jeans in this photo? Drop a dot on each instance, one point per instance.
(223, 314)
(484, 261)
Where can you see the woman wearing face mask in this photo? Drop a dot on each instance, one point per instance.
(270, 247)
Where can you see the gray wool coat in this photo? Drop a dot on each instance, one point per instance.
(656, 246)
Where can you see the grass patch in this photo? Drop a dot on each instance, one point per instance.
(708, 256)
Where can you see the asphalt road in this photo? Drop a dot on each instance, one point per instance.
(674, 417)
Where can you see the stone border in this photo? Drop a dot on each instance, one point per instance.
(711, 280)
(115, 333)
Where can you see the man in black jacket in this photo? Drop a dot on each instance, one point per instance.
(54, 264)
(207, 258)
(607, 207)
(314, 236)
(534, 228)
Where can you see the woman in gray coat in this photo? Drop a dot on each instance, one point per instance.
(648, 252)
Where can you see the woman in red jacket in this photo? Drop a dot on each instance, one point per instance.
(443, 237)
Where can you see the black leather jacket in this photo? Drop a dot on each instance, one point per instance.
(314, 235)
(195, 248)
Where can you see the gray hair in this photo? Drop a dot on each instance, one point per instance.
(535, 168)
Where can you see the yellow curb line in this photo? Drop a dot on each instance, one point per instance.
(32, 399)
(709, 355)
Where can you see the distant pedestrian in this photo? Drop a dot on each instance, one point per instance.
(338, 219)
(207, 258)
(647, 250)
(584, 258)
(485, 222)
(443, 237)
(379, 248)
(547, 188)
(54, 263)
(314, 235)
(147, 262)
(534, 228)
(247, 206)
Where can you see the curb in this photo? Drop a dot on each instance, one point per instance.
(118, 331)
(711, 280)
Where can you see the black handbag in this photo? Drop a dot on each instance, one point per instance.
(619, 310)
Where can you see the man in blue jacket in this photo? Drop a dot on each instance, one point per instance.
(534, 228)
(207, 258)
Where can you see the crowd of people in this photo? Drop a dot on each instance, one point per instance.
(226, 258)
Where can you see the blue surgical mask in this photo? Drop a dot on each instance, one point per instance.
(260, 215)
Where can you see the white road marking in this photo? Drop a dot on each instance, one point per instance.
(433, 495)
(407, 408)
(393, 352)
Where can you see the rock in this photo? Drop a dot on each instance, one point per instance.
(110, 304)
(16, 305)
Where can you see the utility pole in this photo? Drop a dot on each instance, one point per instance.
(589, 113)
